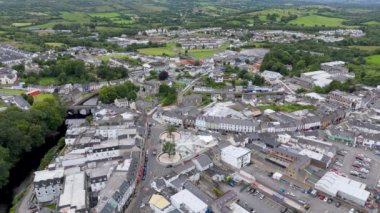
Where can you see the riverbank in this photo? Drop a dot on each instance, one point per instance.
(21, 175)
(21, 201)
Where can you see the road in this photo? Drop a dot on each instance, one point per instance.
(154, 169)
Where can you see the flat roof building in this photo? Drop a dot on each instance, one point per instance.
(336, 185)
(188, 202)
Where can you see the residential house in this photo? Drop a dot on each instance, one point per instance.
(7, 75)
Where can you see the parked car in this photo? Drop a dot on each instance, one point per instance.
(364, 170)
(322, 197)
(363, 176)
(339, 164)
(354, 173)
(262, 197)
(356, 165)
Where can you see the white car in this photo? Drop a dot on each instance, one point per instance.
(364, 170)
(339, 164)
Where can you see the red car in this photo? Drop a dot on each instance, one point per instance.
(356, 165)
(322, 197)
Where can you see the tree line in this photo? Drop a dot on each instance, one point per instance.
(21, 131)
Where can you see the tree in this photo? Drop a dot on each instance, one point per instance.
(163, 76)
(168, 148)
(170, 129)
(89, 120)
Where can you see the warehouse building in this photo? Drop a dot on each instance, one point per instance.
(342, 187)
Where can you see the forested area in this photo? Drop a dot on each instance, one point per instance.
(128, 90)
(67, 70)
(21, 131)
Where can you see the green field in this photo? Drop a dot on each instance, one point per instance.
(315, 20)
(12, 91)
(366, 48)
(287, 108)
(105, 15)
(21, 24)
(204, 53)
(54, 44)
(47, 81)
(374, 59)
(41, 97)
(44, 26)
(122, 21)
(115, 56)
(372, 23)
(75, 17)
(157, 51)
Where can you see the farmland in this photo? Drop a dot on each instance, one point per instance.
(315, 20)
(375, 60)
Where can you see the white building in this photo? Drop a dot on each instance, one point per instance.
(48, 184)
(121, 102)
(237, 157)
(336, 185)
(7, 75)
(74, 197)
(348, 100)
(188, 201)
(271, 76)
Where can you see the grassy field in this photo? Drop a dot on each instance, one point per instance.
(366, 48)
(287, 108)
(47, 81)
(204, 53)
(115, 56)
(313, 20)
(41, 97)
(12, 91)
(76, 17)
(122, 21)
(157, 51)
(372, 23)
(374, 59)
(54, 44)
(44, 26)
(21, 24)
(105, 15)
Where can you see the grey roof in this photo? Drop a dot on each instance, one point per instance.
(203, 160)
(226, 198)
(198, 192)
(21, 102)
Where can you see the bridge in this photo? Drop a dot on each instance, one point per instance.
(78, 107)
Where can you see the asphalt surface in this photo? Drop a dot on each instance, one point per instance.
(154, 169)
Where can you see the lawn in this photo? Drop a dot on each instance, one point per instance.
(12, 91)
(41, 97)
(374, 59)
(313, 20)
(47, 81)
(54, 44)
(204, 53)
(157, 51)
(21, 24)
(287, 108)
(105, 15)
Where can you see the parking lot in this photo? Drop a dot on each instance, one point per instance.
(253, 201)
(345, 163)
(316, 204)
